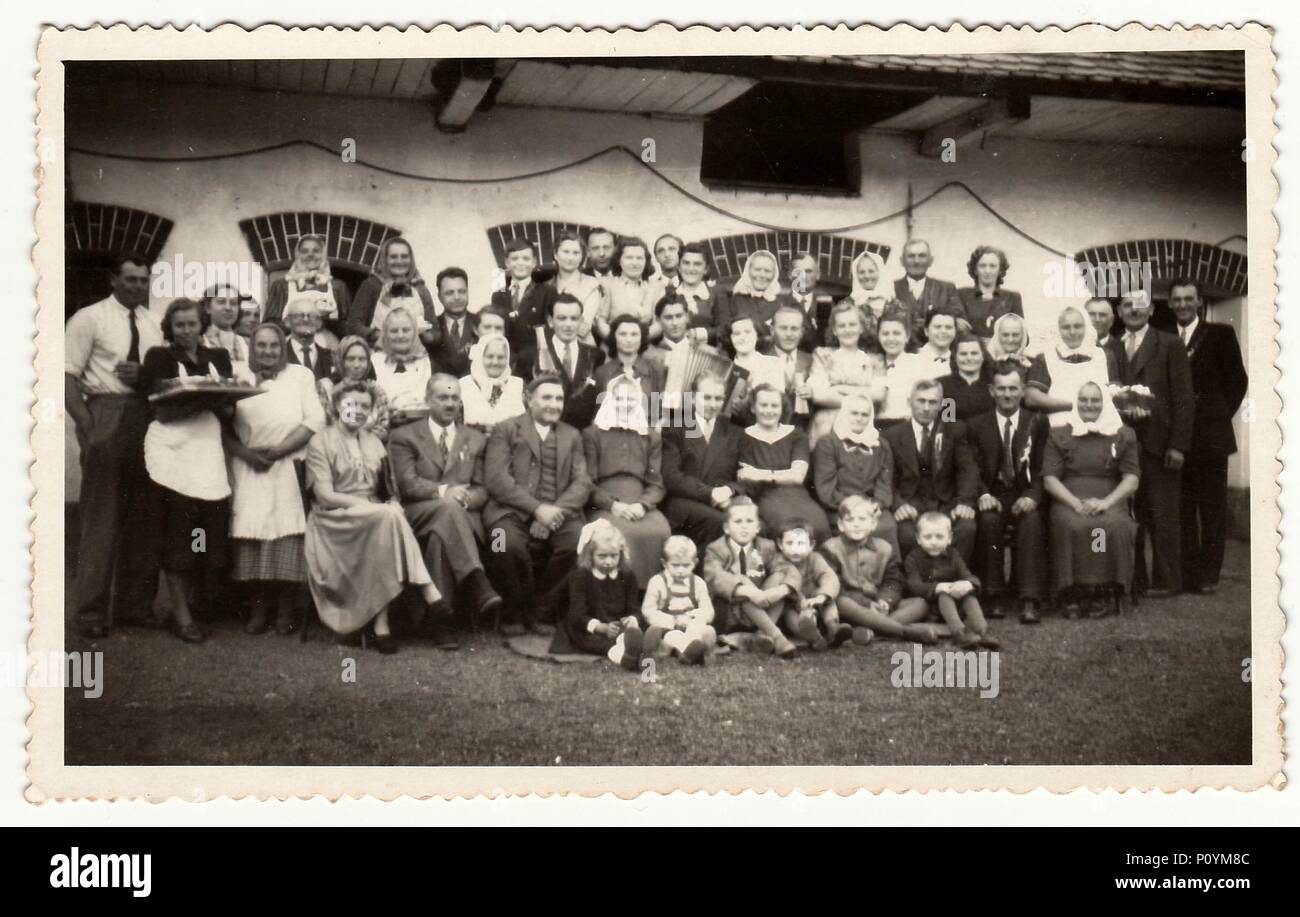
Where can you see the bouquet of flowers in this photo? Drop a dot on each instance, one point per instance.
(1130, 399)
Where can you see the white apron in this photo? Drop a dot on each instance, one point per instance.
(186, 455)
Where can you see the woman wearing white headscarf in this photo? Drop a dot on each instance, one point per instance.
(1069, 359)
(853, 458)
(757, 295)
(865, 273)
(309, 277)
(625, 463)
(490, 394)
(1090, 469)
(1010, 341)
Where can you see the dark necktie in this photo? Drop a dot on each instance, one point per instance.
(133, 352)
(1008, 472)
(401, 368)
(442, 444)
(927, 447)
(744, 565)
(568, 360)
(306, 358)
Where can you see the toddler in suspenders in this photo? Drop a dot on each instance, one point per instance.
(677, 609)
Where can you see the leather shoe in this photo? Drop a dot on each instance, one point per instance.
(385, 643)
(512, 629)
(996, 611)
(1160, 593)
(1029, 614)
(444, 638)
(539, 627)
(190, 632)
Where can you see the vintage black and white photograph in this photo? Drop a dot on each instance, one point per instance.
(486, 409)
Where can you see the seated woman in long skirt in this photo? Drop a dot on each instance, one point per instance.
(360, 549)
(1090, 468)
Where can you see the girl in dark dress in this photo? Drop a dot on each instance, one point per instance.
(967, 386)
(774, 457)
(184, 457)
(604, 615)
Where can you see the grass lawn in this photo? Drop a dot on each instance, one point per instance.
(1161, 686)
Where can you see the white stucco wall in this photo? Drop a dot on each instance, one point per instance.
(1067, 195)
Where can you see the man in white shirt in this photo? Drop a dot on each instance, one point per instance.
(788, 325)
(105, 344)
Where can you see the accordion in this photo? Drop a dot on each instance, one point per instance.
(688, 364)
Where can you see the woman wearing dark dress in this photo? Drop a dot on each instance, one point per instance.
(309, 276)
(626, 345)
(625, 462)
(1090, 469)
(757, 295)
(987, 301)
(395, 282)
(967, 386)
(187, 466)
(774, 459)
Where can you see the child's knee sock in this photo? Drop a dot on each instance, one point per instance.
(974, 614)
(761, 620)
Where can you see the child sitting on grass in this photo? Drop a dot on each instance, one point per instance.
(736, 567)
(602, 615)
(871, 578)
(677, 609)
(935, 572)
(811, 593)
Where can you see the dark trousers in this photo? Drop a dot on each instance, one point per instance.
(1157, 509)
(1024, 534)
(963, 537)
(451, 548)
(1204, 519)
(511, 567)
(117, 576)
(700, 522)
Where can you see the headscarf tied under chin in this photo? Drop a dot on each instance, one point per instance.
(301, 277)
(613, 415)
(1107, 423)
(339, 374)
(417, 350)
(860, 295)
(266, 373)
(401, 287)
(869, 438)
(745, 286)
(1087, 347)
(492, 388)
(996, 353)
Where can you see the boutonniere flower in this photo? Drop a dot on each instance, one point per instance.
(590, 380)
(938, 443)
(1024, 456)
(1114, 453)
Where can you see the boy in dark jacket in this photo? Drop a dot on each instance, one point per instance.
(936, 572)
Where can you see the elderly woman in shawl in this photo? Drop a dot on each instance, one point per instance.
(625, 461)
(352, 363)
(1069, 359)
(490, 394)
(395, 282)
(267, 522)
(402, 367)
(360, 549)
(853, 459)
(309, 276)
(1010, 341)
(1090, 469)
(871, 304)
(757, 295)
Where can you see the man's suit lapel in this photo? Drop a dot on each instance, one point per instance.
(1198, 338)
(1144, 352)
(429, 447)
(530, 436)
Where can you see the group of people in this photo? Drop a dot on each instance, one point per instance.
(565, 460)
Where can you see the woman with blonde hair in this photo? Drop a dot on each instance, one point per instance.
(402, 367)
(843, 370)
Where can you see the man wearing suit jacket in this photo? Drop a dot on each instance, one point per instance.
(816, 307)
(525, 301)
(921, 294)
(1008, 445)
(304, 321)
(1156, 359)
(438, 465)
(934, 470)
(700, 463)
(556, 350)
(788, 329)
(537, 485)
(1220, 382)
(457, 326)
